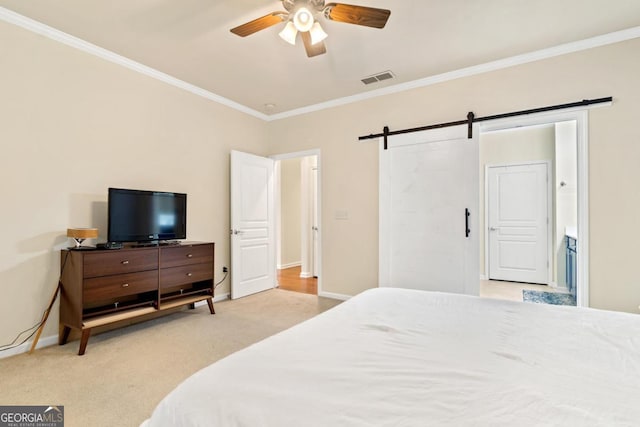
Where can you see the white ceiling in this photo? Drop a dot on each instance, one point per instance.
(190, 40)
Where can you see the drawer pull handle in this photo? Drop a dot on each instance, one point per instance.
(189, 274)
(189, 255)
(125, 285)
(125, 262)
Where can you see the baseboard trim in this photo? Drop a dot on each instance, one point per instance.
(306, 275)
(332, 295)
(483, 277)
(216, 298)
(288, 265)
(558, 287)
(23, 348)
(221, 297)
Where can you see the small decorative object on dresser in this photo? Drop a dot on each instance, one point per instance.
(80, 235)
(102, 287)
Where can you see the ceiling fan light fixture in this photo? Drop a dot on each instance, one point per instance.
(300, 17)
(289, 33)
(303, 19)
(317, 33)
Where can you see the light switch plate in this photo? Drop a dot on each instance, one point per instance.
(341, 214)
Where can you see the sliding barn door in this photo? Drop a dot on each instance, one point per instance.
(429, 211)
(252, 224)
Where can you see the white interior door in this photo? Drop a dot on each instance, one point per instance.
(428, 183)
(252, 224)
(518, 223)
(315, 225)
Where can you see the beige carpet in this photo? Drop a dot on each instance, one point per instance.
(126, 372)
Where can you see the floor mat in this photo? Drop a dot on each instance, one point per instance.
(542, 297)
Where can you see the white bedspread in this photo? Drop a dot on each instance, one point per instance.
(393, 357)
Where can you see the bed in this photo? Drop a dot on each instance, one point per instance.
(399, 357)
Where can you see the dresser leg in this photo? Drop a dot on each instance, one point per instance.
(63, 336)
(86, 333)
(210, 303)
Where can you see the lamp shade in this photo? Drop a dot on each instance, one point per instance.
(289, 33)
(317, 33)
(80, 234)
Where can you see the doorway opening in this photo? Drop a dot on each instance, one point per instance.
(297, 214)
(560, 141)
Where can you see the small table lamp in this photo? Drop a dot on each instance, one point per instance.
(80, 234)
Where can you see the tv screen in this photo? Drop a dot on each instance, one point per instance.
(145, 216)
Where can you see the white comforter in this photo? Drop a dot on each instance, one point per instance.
(392, 357)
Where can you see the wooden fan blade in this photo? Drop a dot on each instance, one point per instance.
(312, 49)
(359, 15)
(256, 25)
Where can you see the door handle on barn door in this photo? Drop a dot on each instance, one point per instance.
(466, 222)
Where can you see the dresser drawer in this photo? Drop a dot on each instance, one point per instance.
(184, 255)
(120, 261)
(108, 287)
(186, 274)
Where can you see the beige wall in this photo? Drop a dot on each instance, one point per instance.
(350, 168)
(290, 211)
(531, 143)
(74, 125)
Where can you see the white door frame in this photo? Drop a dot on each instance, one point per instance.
(314, 235)
(300, 154)
(581, 116)
(487, 254)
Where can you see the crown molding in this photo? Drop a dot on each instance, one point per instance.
(75, 42)
(593, 42)
(69, 40)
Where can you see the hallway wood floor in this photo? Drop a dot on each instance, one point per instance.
(289, 279)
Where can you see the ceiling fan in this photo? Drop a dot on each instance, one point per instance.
(301, 17)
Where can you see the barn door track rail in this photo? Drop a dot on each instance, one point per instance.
(471, 119)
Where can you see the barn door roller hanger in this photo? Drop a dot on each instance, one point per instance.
(471, 119)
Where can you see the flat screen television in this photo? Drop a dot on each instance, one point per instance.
(146, 216)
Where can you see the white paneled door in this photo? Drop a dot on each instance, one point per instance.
(252, 224)
(429, 211)
(518, 223)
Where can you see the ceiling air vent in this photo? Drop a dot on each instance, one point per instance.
(385, 75)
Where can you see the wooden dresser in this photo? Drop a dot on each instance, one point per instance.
(100, 287)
